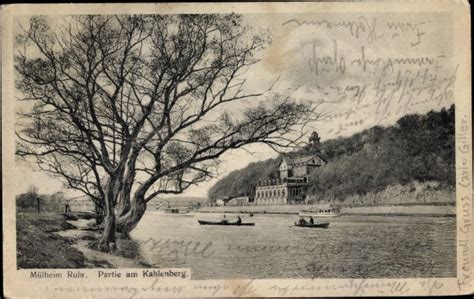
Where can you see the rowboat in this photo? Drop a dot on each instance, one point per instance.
(202, 222)
(315, 225)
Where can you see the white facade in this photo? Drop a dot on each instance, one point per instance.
(271, 194)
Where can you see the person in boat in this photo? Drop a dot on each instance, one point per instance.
(301, 221)
(224, 220)
(239, 220)
(311, 220)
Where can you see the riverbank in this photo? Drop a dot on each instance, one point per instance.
(441, 210)
(49, 241)
(39, 246)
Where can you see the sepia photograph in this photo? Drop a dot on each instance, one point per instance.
(238, 144)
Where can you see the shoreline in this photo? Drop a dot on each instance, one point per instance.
(126, 255)
(49, 240)
(40, 244)
(342, 214)
(414, 210)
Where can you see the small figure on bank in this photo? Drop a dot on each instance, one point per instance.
(239, 220)
(224, 220)
(311, 220)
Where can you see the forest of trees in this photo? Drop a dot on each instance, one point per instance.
(417, 148)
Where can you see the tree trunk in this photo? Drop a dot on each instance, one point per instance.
(107, 240)
(123, 204)
(127, 223)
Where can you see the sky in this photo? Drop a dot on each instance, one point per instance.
(359, 70)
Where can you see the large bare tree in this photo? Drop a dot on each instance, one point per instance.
(125, 108)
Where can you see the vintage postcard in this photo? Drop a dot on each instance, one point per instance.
(237, 149)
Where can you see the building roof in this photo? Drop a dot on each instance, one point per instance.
(302, 159)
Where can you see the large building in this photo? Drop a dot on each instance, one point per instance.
(291, 187)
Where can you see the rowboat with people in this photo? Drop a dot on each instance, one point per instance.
(225, 221)
(310, 223)
(202, 222)
(314, 225)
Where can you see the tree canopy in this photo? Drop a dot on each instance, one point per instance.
(126, 107)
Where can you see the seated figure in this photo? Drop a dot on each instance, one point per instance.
(224, 220)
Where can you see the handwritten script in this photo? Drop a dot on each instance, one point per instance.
(368, 70)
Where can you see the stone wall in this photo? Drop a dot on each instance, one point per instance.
(421, 193)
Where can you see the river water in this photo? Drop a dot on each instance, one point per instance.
(352, 246)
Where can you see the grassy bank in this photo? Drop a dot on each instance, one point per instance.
(38, 245)
(47, 240)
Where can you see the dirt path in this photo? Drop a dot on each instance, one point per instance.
(105, 260)
(96, 258)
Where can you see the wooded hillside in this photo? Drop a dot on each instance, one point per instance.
(417, 148)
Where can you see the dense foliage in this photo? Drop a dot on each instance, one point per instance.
(242, 182)
(417, 148)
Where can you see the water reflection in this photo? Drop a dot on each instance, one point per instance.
(352, 247)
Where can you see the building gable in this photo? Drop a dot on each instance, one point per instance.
(309, 160)
(286, 161)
